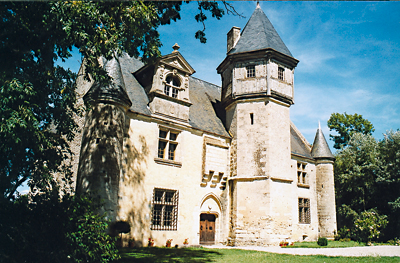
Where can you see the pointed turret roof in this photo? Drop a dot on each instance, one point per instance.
(258, 34)
(115, 91)
(320, 147)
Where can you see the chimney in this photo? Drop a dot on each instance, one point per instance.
(233, 37)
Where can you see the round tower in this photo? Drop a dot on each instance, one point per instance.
(325, 186)
(102, 140)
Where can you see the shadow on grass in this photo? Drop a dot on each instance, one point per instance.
(162, 254)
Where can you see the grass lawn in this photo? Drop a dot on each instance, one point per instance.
(162, 254)
(330, 244)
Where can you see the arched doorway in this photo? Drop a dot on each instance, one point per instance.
(207, 229)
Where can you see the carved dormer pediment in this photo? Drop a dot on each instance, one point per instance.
(177, 61)
(167, 85)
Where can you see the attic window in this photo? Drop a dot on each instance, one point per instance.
(251, 71)
(171, 87)
(280, 73)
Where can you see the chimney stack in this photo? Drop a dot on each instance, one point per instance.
(233, 37)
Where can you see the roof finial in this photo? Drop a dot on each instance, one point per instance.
(258, 4)
(175, 47)
(319, 125)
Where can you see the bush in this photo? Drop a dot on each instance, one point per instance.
(47, 228)
(322, 241)
(369, 224)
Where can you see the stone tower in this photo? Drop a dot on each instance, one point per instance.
(257, 92)
(102, 140)
(325, 186)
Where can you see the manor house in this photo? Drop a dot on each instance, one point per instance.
(179, 158)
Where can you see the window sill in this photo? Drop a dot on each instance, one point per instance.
(303, 185)
(168, 162)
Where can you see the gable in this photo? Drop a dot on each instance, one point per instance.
(298, 144)
(176, 60)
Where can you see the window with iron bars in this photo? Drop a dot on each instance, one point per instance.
(304, 211)
(164, 212)
(167, 144)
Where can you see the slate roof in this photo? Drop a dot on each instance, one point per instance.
(115, 91)
(298, 144)
(258, 34)
(320, 147)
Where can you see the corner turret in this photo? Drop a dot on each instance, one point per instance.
(325, 186)
(100, 158)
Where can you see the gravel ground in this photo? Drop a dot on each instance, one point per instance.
(388, 251)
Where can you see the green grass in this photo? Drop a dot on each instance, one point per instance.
(330, 244)
(197, 255)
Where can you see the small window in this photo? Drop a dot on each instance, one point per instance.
(280, 73)
(304, 211)
(164, 212)
(167, 144)
(302, 177)
(251, 118)
(171, 87)
(251, 71)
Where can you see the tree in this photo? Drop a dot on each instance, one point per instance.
(346, 125)
(37, 103)
(367, 177)
(356, 169)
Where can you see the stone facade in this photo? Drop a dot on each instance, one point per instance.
(179, 158)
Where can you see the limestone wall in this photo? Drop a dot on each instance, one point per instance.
(141, 174)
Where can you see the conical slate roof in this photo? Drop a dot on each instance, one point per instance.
(258, 34)
(320, 147)
(113, 92)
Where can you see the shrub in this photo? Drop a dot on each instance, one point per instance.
(322, 241)
(48, 228)
(369, 224)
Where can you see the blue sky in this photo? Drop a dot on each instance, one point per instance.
(349, 56)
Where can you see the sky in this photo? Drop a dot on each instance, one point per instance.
(349, 56)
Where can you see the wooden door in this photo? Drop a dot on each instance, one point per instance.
(207, 229)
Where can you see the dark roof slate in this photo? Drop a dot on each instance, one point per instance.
(205, 108)
(115, 91)
(320, 147)
(135, 91)
(258, 34)
(298, 146)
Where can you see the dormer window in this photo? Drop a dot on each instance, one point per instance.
(280, 73)
(251, 71)
(171, 87)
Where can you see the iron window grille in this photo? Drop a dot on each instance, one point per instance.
(251, 71)
(164, 213)
(304, 211)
